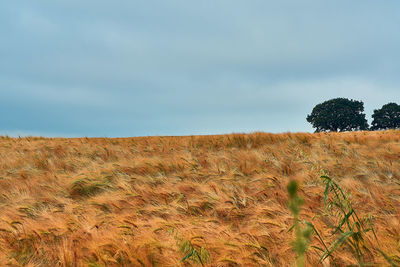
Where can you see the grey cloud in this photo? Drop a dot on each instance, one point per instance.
(104, 68)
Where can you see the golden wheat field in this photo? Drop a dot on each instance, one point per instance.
(148, 201)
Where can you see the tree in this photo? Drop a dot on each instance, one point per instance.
(388, 117)
(338, 114)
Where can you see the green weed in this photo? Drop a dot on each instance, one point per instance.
(350, 230)
(191, 250)
(195, 253)
(303, 234)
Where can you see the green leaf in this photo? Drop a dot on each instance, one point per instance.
(343, 238)
(345, 219)
(188, 255)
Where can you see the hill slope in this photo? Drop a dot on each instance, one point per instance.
(142, 201)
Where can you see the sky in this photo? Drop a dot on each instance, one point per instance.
(179, 67)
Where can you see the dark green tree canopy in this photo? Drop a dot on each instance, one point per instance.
(388, 117)
(338, 114)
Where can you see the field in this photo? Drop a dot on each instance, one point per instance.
(187, 201)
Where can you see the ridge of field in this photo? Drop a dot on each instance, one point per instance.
(133, 201)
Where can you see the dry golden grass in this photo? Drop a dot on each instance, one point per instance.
(136, 201)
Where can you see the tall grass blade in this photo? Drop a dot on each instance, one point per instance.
(387, 258)
(342, 239)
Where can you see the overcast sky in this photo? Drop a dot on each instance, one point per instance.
(134, 68)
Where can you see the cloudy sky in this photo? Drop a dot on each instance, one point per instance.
(181, 67)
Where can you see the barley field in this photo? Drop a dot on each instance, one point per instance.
(191, 201)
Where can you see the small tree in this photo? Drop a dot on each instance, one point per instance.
(338, 114)
(388, 117)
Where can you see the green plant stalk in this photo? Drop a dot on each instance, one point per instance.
(353, 236)
(303, 235)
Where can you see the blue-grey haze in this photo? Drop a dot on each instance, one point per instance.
(181, 67)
